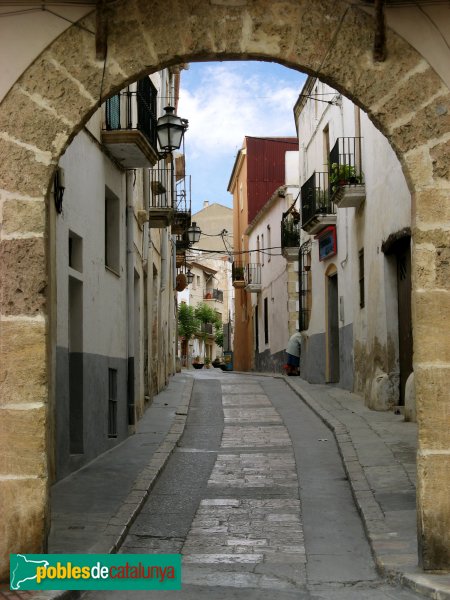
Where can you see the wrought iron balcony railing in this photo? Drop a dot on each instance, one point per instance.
(318, 210)
(253, 277)
(345, 172)
(213, 294)
(207, 328)
(162, 181)
(134, 109)
(290, 234)
(237, 274)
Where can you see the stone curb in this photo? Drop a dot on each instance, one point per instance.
(368, 507)
(119, 525)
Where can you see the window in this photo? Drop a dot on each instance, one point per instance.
(75, 252)
(258, 251)
(361, 279)
(198, 280)
(269, 243)
(112, 231)
(241, 197)
(112, 403)
(262, 249)
(256, 329)
(266, 321)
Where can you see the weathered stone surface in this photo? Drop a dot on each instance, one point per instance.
(431, 205)
(424, 266)
(23, 442)
(21, 216)
(22, 526)
(441, 164)
(60, 92)
(415, 91)
(32, 179)
(443, 267)
(433, 411)
(434, 510)
(25, 120)
(357, 75)
(419, 171)
(23, 276)
(431, 122)
(23, 373)
(431, 310)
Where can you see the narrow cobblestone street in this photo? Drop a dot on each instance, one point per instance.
(256, 499)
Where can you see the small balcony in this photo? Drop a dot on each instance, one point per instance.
(253, 278)
(318, 211)
(213, 295)
(207, 328)
(130, 126)
(237, 275)
(347, 188)
(182, 208)
(290, 235)
(181, 244)
(160, 198)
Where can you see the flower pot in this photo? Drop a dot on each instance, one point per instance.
(197, 365)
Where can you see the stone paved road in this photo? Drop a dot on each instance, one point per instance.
(256, 500)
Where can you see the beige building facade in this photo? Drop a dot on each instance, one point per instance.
(51, 95)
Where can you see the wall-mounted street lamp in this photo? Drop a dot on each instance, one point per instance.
(194, 233)
(190, 277)
(170, 129)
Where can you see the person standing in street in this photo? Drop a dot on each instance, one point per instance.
(293, 352)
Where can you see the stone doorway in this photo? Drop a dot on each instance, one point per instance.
(53, 99)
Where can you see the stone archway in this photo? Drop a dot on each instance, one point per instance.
(55, 96)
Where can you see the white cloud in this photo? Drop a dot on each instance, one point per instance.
(226, 102)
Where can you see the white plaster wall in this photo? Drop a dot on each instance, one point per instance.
(273, 276)
(87, 171)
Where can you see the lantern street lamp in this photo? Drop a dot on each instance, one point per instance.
(170, 129)
(194, 233)
(190, 277)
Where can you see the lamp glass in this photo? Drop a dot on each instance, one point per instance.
(194, 233)
(190, 277)
(170, 129)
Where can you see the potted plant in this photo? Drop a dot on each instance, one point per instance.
(342, 175)
(238, 276)
(216, 362)
(196, 363)
(207, 363)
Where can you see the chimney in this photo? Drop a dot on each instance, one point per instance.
(205, 203)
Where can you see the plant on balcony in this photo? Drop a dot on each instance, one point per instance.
(207, 315)
(343, 175)
(290, 233)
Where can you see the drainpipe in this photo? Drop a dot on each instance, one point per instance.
(130, 296)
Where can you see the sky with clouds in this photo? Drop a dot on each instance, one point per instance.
(224, 102)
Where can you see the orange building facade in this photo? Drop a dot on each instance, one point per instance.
(257, 172)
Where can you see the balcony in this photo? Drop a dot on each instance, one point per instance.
(290, 235)
(253, 278)
(160, 200)
(130, 126)
(181, 244)
(318, 211)
(213, 294)
(237, 275)
(182, 208)
(207, 328)
(347, 188)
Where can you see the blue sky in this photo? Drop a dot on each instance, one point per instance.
(224, 102)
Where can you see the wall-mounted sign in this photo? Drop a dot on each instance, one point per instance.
(327, 242)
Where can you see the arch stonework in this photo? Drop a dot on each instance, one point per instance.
(53, 99)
